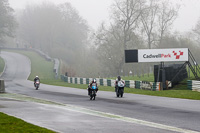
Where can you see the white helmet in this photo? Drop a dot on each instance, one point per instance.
(36, 76)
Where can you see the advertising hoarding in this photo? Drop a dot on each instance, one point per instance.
(163, 55)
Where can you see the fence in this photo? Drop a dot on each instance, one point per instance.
(154, 86)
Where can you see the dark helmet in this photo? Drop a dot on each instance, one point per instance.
(119, 78)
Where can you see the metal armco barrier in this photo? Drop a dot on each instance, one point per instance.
(110, 82)
(2, 86)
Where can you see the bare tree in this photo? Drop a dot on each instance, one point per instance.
(57, 30)
(120, 35)
(125, 15)
(7, 20)
(148, 18)
(166, 16)
(157, 17)
(109, 50)
(196, 30)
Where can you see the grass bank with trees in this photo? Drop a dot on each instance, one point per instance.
(9, 124)
(44, 69)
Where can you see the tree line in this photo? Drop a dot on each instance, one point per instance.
(61, 32)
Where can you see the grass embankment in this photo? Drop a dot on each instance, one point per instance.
(45, 70)
(9, 124)
(39, 66)
(145, 77)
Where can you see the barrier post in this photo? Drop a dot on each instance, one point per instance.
(2, 86)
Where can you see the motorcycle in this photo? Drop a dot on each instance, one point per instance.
(119, 89)
(37, 84)
(93, 90)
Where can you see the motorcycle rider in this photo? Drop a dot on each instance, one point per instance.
(116, 82)
(35, 79)
(90, 86)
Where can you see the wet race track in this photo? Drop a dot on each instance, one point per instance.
(64, 109)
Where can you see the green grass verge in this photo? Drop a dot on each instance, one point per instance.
(9, 124)
(45, 68)
(144, 77)
(39, 66)
(179, 91)
(150, 77)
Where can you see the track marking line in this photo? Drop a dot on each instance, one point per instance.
(97, 113)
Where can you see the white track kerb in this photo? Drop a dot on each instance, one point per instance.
(99, 113)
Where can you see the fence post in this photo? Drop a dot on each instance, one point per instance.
(127, 83)
(101, 82)
(189, 84)
(87, 80)
(76, 81)
(154, 86)
(2, 86)
(108, 82)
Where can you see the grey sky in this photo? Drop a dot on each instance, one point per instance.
(96, 11)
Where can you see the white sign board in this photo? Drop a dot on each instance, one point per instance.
(162, 55)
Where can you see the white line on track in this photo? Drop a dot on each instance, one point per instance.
(98, 113)
(126, 119)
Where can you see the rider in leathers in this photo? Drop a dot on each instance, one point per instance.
(35, 79)
(116, 82)
(90, 86)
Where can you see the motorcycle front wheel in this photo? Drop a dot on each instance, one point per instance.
(117, 94)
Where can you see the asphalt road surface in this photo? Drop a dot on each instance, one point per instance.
(65, 109)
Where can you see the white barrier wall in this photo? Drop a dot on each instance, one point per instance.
(112, 82)
(129, 83)
(146, 85)
(90, 80)
(158, 86)
(84, 80)
(132, 84)
(195, 85)
(78, 80)
(104, 82)
(98, 81)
